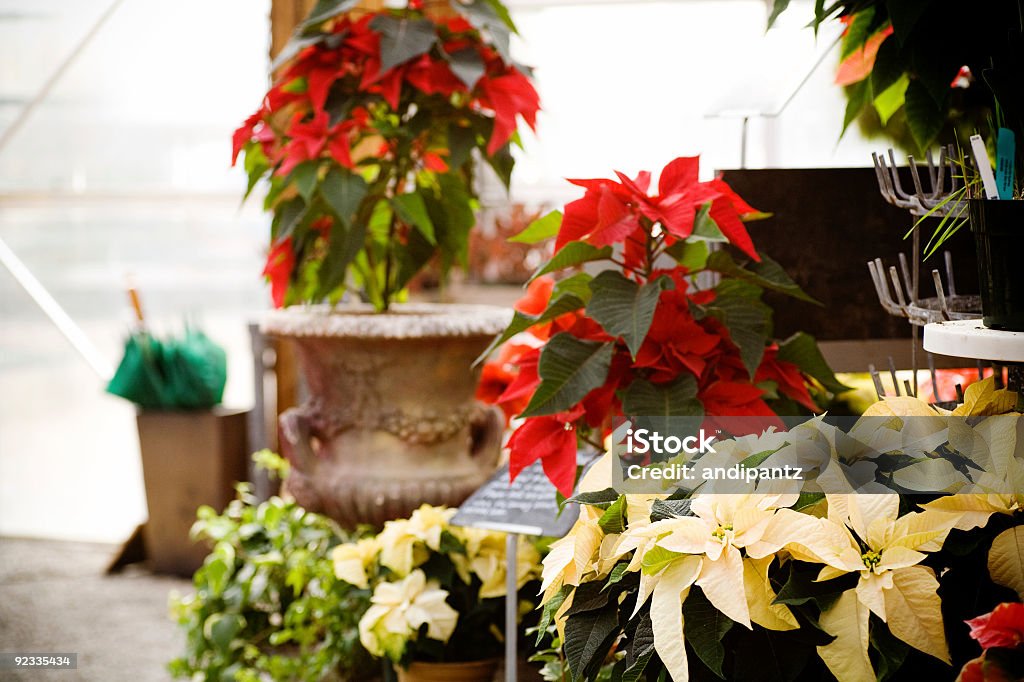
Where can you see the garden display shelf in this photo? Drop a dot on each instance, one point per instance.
(971, 339)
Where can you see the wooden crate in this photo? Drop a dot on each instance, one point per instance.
(188, 459)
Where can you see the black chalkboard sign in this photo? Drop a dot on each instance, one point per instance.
(527, 506)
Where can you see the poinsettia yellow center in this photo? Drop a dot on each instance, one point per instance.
(871, 559)
(723, 532)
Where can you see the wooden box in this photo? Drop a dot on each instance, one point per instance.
(189, 458)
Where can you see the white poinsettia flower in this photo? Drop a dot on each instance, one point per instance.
(485, 557)
(864, 534)
(353, 560)
(406, 543)
(707, 549)
(399, 609)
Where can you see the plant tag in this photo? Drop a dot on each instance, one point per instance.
(1006, 152)
(981, 160)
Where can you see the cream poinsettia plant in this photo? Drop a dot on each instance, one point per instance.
(772, 583)
(438, 590)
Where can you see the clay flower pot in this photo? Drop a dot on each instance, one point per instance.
(391, 421)
(473, 671)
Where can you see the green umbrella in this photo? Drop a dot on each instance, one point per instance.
(171, 373)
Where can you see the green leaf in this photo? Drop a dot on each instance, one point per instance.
(461, 141)
(327, 9)
(767, 274)
(614, 518)
(551, 607)
(641, 649)
(891, 651)
(486, 16)
(562, 302)
(343, 192)
(502, 13)
(704, 627)
(891, 100)
(221, 628)
(778, 7)
(624, 308)
(857, 33)
(305, 177)
(904, 15)
(468, 65)
(802, 350)
(755, 460)
(502, 162)
(801, 587)
(540, 229)
(677, 399)
(344, 244)
(453, 218)
(857, 96)
(412, 211)
(601, 498)
(692, 255)
(924, 116)
(287, 218)
(588, 597)
(657, 558)
(569, 369)
(705, 228)
(739, 307)
(296, 44)
(616, 574)
(888, 67)
(670, 509)
(402, 39)
(588, 637)
(573, 253)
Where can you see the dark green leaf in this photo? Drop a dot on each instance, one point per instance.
(658, 404)
(402, 39)
(624, 308)
(221, 629)
(802, 350)
(924, 116)
(616, 574)
(344, 243)
(550, 609)
(588, 597)
(569, 369)
(755, 460)
(502, 163)
(540, 229)
(614, 518)
(904, 15)
(327, 9)
(692, 255)
(294, 46)
(640, 650)
(808, 499)
(888, 67)
(467, 65)
(343, 192)
(288, 218)
(412, 211)
(801, 587)
(559, 305)
(704, 626)
(600, 498)
(739, 307)
(669, 509)
(767, 274)
(588, 637)
(461, 141)
(572, 254)
(485, 16)
(305, 176)
(453, 218)
(891, 651)
(857, 96)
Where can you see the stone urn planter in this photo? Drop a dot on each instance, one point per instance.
(391, 421)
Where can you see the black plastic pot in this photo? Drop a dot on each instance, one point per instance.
(998, 228)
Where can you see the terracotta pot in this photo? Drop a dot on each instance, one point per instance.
(473, 671)
(391, 421)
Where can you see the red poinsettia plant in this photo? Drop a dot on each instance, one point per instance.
(670, 326)
(1001, 637)
(366, 140)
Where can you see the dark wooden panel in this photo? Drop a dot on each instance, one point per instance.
(827, 224)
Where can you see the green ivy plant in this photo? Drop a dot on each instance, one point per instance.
(266, 603)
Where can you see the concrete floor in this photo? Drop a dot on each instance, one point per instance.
(55, 598)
